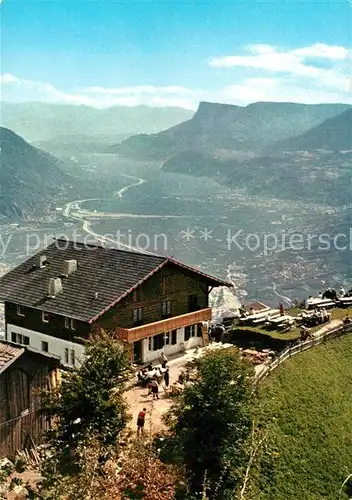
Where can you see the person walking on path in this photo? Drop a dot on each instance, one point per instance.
(163, 360)
(167, 378)
(155, 389)
(141, 421)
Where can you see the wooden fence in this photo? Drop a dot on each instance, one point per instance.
(301, 346)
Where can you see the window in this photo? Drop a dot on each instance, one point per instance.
(158, 342)
(192, 303)
(20, 310)
(45, 317)
(137, 316)
(190, 332)
(70, 323)
(17, 338)
(174, 337)
(150, 344)
(165, 285)
(136, 297)
(73, 357)
(167, 338)
(45, 346)
(199, 330)
(166, 308)
(66, 356)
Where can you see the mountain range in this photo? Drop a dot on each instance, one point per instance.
(282, 150)
(223, 128)
(37, 121)
(30, 178)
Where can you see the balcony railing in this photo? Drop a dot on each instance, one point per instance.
(165, 325)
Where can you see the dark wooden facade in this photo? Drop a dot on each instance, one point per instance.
(21, 424)
(185, 291)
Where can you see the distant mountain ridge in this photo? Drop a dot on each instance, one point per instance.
(314, 166)
(37, 121)
(233, 128)
(334, 134)
(30, 178)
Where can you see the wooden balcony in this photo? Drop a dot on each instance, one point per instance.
(165, 325)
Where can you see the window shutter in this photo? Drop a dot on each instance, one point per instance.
(187, 333)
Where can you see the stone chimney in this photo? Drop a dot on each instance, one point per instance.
(55, 287)
(41, 261)
(70, 266)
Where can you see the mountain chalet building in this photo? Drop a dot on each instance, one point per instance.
(68, 290)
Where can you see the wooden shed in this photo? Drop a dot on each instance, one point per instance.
(23, 371)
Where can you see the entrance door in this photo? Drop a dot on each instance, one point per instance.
(137, 351)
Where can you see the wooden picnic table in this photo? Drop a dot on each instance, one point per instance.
(345, 300)
(280, 319)
(317, 302)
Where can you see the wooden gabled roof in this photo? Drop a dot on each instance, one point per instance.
(104, 277)
(10, 352)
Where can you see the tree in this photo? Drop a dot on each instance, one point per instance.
(88, 402)
(211, 423)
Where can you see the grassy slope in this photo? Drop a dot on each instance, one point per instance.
(307, 408)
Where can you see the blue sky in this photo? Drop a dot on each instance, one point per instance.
(175, 53)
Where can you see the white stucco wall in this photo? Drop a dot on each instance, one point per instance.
(169, 350)
(56, 346)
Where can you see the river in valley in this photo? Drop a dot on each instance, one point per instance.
(268, 249)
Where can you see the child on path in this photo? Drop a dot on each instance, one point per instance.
(141, 421)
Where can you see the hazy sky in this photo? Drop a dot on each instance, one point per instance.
(175, 53)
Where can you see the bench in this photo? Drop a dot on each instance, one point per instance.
(281, 319)
(259, 320)
(346, 301)
(317, 303)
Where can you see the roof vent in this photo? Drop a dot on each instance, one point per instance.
(96, 295)
(41, 261)
(55, 287)
(70, 266)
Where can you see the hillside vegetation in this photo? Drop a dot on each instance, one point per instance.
(333, 134)
(306, 405)
(30, 178)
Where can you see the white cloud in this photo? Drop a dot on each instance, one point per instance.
(268, 74)
(8, 78)
(145, 89)
(321, 50)
(277, 90)
(20, 90)
(297, 62)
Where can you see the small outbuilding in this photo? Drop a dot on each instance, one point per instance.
(23, 372)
